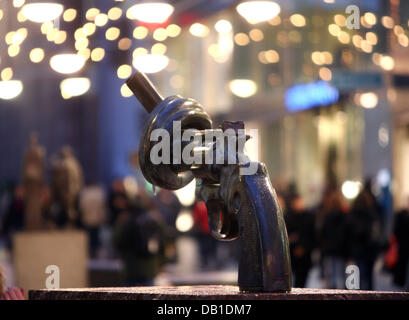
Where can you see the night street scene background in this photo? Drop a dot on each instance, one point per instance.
(325, 83)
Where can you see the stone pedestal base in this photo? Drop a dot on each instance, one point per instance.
(209, 293)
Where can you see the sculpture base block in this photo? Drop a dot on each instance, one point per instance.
(209, 293)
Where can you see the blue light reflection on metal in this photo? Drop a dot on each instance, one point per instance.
(306, 96)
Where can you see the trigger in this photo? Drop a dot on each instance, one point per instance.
(214, 215)
(222, 225)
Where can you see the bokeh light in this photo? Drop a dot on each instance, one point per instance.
(125, 91)
(223, 26)
(37, 55)
(154, 12)
(199, 30)
(42, 11)
(101, 19)
(114, 13)
(298, 20)
(74, 87)
(6, 74)
(67, 63)
(158, 48)
(10, 89)
(124, 71)
(89, 29)
(112, 33)
(140, 32)
(243, 88)
(124, 44)
(69, 15)
(91, 14)
(241, 39)
(150, 63)
(173, 30)
(97, 54)
(256, 35)
(160, 34)
(258, 11)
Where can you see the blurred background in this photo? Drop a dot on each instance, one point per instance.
(330, 103)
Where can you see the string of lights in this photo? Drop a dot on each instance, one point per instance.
(153, 22)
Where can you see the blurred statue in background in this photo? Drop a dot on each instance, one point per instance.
(67, 181)
(33, 182)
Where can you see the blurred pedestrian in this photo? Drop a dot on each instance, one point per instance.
(2, 282)
(320, 214)
(332, 240)
(118, 201)
(93, 214)
(401, 233)
(364, 237)
(169, 207)
(207, 244)
(301, 235)
(139, 239)
(6, 196)
(14, 218)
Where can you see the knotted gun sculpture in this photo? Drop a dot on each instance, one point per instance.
(241, 202)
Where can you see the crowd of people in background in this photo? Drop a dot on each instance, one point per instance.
(143, 231)
(337, 234)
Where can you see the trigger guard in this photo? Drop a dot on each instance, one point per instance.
(223, 226)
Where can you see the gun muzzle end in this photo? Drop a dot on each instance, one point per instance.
(144, 91)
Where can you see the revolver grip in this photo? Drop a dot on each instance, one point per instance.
(264, 264)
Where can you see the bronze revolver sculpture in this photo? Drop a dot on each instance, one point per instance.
(239, 206)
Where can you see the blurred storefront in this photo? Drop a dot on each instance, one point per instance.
(398, 95)
(323, 140)
(341, 129)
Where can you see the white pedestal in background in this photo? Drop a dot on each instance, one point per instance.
(34, 251)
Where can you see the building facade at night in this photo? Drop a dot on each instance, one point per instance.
(360, 134)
